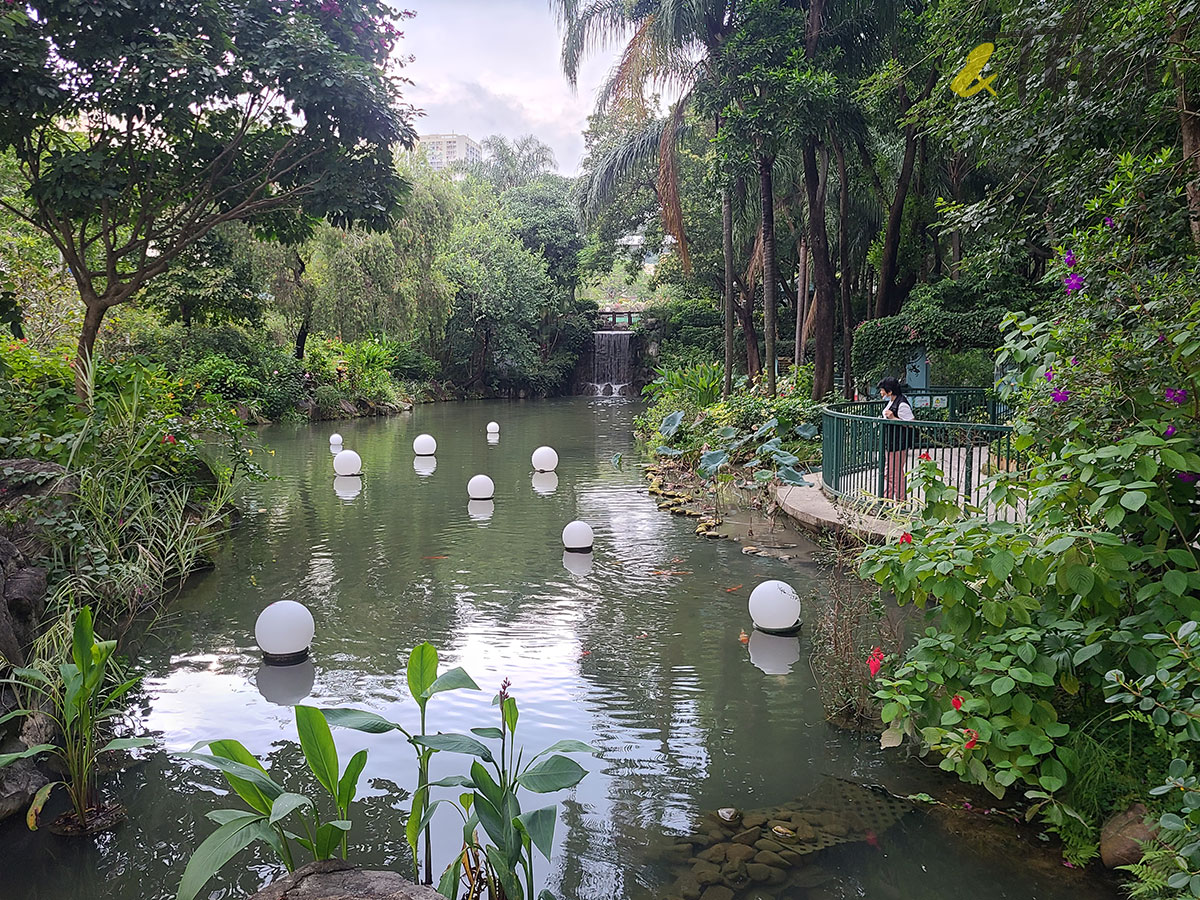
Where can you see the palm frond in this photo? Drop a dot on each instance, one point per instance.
(637, 150)
(668, 181)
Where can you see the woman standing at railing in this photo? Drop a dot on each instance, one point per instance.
(896, 437)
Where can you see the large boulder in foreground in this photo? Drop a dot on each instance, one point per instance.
(334, 879)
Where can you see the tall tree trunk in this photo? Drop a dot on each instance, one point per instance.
(745, 311)
(96, 308)
(1189, 129)
(302, 333)
(801, 301)
(823, 273)
(844, 265)
(727, 251)
(766, 163)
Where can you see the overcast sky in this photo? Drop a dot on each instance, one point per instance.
(492, 67)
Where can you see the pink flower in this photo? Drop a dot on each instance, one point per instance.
(1059, 395)
(956, 701)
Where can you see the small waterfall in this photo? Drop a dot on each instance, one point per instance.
(611, 363)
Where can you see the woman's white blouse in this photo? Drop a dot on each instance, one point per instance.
(903, 412)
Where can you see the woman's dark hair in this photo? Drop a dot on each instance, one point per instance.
(892, 386)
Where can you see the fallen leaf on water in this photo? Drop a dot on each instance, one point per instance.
(743, 637)
(435, 557)
(642, 635)
(585, 652)
(736, 587)
(676, 559)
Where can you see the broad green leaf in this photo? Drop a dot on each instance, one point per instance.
(320, 752)
(1133, 500)
(1001, 564)
(1176, 582)
(285, 804)
(454, 680)
(569, 746)
(359, 720)
(539, 825)
(670, 424)
(485, 784)
(348, 783)
(508, 878)
(712, 460)
(39, 800)
(244, 773)
(808, 432)
(454, 743)
(790, 476)
(509, 709)
(1002, 685)
(422, 670)
(125, 744)
(7, 759)
(491, 820)
(490, 733)
(552, 774)
(668, 451)
(224, 816)
(449, 882)
(216, 850)
(453, 781)
(329, 837)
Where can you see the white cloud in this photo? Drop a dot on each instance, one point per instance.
(492, 67)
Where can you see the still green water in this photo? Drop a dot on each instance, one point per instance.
(646, 667)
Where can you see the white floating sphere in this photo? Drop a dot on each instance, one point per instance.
(424, 445)
(286, 685)
(480, 510)
(545, 483)
(775, 606)
(347, 486)
(578, 563)
(481, 488)
(347, 462)
(577, 537)
(335, 449)
(494, 438)
(493, 427)
(545, 459)
(284, 631)
(335, 438)
(424, 465)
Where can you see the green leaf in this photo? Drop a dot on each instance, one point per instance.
(552, 774)
(808, 432)
(1080, 579)
(1083, 654)
(539, 825)
(125, 744)
(670, 424)
(509, 710)
(244, 773)
(448, 883)
(1175, 581)
(712, 460)
(491, 820)
(508, 878)
(39, 800)
(453, 781)
(1002, 685)
(316, 740)
(454, 743)
(490, 733)
(216, 850)
(790, 476)
(286, 804)
(485, 784)
(7, 759)
(348, 784)
(329, 838)
(1133, 500)
(359, 720)
(454, 680)
(422, 670)
(668, 451)
(572, 746)
(1001, 564)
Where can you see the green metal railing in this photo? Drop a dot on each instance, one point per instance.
(963, 430)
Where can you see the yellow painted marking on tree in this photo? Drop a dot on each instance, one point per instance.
(968, 83)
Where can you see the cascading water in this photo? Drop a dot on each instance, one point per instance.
(611, 363)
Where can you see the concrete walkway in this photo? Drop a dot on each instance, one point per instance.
(813, 511)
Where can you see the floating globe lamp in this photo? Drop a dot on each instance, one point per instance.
(424, 445)
(545, 459)
(774, 654)
(481, 488)
(425, 465)
(284, 631)
(335, 439)
(577, 537)
(480, 510)
(493, 427)
(578, 563)
(545, 483)
(347, 462)
(775, 608)
(286, 685)
(347, 486)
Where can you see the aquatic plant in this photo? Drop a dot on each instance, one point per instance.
(79, 699)
(274, 811)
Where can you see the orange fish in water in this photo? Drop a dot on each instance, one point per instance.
(736, 587)
(585, 652)
(435, 557)
(676, 559)
(743, 637)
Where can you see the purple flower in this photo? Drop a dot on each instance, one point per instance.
(1162, 338)
(1074, 282)
(1059, 395)
(1170, 431)
(1109, 222)
(1069, 259)
(1074, 361)
(1174, 396)
(1050, 374)
(1187, 477)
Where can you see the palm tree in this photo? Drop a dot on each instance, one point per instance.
(509, 164)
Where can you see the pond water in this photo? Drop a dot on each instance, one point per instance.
(646, 666)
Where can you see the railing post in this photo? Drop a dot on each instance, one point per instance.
(881, 430)
(968, 468)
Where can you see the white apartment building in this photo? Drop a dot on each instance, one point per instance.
(443, 150)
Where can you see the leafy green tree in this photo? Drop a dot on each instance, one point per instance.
(139, 126)
(510, 164)
(548, 224)
(211, 282)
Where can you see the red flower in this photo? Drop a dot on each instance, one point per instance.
(168, 439)
(925, 456)
(906, 538)
(875, 661)
(972, 736)
(956, 701)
